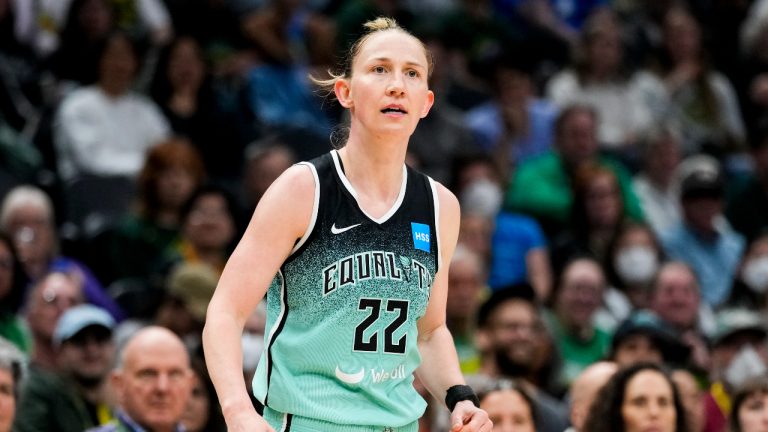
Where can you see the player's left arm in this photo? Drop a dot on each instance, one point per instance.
(439, 369)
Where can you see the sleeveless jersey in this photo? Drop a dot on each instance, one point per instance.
(342, 311)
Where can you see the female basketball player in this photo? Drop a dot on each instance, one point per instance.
(352, 251)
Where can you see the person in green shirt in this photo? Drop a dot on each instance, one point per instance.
(577, 297)
(12, 283)
(541, 187)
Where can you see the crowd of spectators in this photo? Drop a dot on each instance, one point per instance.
(610, 157)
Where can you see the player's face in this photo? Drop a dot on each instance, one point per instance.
(388, 92)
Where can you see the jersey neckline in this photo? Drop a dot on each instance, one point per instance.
(345, 181)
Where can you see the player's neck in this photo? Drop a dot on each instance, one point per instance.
(376, 173)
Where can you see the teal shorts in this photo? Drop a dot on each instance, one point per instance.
(282, 422)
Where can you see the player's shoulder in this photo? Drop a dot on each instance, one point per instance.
(447, 199)
(298, 178)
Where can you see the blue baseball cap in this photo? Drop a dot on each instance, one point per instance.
(75, 319)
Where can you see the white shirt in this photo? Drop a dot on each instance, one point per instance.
(625, 108)
(660, 207)
(102, 135)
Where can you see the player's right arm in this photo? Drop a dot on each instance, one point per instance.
(282, 217)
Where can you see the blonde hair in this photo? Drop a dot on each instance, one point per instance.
(372, 27)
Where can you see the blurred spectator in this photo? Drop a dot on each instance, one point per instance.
(12, 292)
(480, 191)
(287, 32)
(209, 229)
(692, 396)
(105, 129)
(480, 199)
(87, 26)
(26, 215)
(352, 14)
(676, 299)
(541, 187)
(703, 100)
(172, 171)
(75, 396)
(289, 41)
(189, 288)
(466, 277)
(264, 162)
(655, 184)
(519, 254)
(22, 97)
(644, 338)
(515, 125)
(476, 168)
(510, 329)
(752, 79)
(152, 381)
(601, 78)
(475, 233)
(12, 368)
(183, 89)
(632, 259)
(584, 390)
(638, 398)
(474, 35)
(703, 239)
(552, 26)
(739, 354)
(597, 215)
(51, 296)
(509, 406)
(747, 203)
(203, 413)
(750, 407)
(644, 21)
(751, 282)
(142, 19)
(577, 296)
(739, 350)
(214, 23)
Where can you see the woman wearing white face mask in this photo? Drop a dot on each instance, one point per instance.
(750, 289)
(631, 263)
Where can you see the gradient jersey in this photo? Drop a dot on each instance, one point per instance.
(342, 312)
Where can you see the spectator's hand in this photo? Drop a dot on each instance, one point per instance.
(466, 417)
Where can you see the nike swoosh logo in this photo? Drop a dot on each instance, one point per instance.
(335, 230)
(350, 378)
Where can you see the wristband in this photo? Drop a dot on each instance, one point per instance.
(459, 393)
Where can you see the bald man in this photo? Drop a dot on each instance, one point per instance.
(585, 388)
(152, 381)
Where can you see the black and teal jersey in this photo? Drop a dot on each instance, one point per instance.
(341, 313)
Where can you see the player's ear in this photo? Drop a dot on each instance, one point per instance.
(343, 92)
(428, 103)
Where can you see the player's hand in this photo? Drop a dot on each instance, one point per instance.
(466, 417)
(248, 422)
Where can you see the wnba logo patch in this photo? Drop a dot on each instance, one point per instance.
(420, 236)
